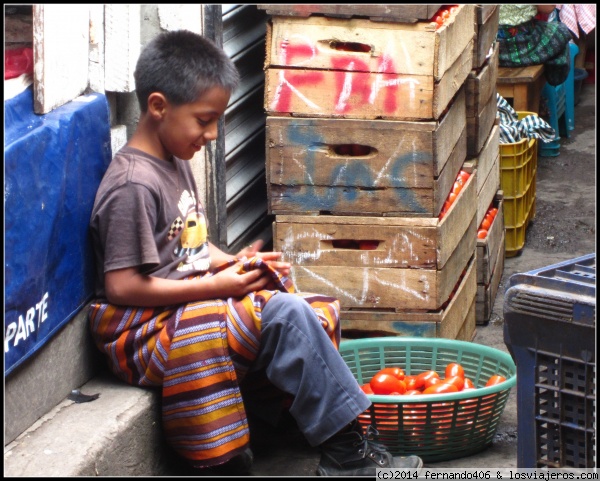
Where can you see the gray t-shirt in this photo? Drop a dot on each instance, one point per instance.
(147, 215)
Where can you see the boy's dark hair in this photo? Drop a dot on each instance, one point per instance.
(182, 65)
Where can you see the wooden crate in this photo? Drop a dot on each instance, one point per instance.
(455, 321)
(469, 328)
(308, 73)
(489, 187)
(487, 160)
(481, 85)
(409, 169)
(415, 263)
(486, 29)
(389, 13)
(486, 294)
(480, 126)
(487, 249)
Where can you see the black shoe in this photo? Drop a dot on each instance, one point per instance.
(352, 453)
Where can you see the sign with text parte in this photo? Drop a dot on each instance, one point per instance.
(53, 165)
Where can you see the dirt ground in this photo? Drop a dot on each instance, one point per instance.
(565, 202)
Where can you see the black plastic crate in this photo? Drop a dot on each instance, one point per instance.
(549, 329)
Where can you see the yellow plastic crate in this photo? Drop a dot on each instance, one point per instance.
(514, 239)
(518, 168)
(518, 162)
(517, 208)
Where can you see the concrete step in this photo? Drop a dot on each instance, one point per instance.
(117, 434)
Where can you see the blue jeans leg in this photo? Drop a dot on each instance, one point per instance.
(299, 358)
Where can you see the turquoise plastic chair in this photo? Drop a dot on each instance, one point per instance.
(560, 100)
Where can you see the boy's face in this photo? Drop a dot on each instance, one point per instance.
(183, 130)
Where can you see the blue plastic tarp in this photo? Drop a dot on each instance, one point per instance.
(53, 165)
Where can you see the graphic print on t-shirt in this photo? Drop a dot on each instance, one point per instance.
(192, 247)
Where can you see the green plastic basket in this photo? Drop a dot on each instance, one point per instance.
(436, 427)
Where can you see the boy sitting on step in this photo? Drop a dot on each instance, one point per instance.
(175, 312)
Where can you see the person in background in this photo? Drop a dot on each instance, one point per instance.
(174, 312)
(525, 41)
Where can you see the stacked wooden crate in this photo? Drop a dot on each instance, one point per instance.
(483, 154)
(366, 133)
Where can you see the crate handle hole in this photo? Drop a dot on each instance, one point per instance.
(352, 150)
(350, 46)
(353, 244)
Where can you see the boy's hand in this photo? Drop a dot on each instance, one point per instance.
(251, 251)
(231, 283)
(270, 258)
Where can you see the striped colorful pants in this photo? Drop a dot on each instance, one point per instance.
(200, 352)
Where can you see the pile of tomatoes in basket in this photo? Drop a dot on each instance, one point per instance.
(459, 183)
(442, 15)
(487, 221)
(394, 381)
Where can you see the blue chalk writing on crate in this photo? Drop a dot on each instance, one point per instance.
(358, 172)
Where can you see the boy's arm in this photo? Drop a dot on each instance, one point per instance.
(127, 287)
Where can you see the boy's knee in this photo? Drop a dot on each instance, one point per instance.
(288, 307)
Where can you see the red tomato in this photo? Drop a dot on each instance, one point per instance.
(468, 384)
(482, 233)
(493, 211)
(452, 197)
(458, 381)
(397, 372)
(440, 387)
(457, 187)
(426, 376)
(464, 176)
(368, 245)
(445, 209)
(366, 388)
(454, 369)
(412, 392)
(485, 224)
(387, 384)
(495, 379)
(411, 383)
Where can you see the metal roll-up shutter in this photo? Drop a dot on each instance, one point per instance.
(243, 33)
